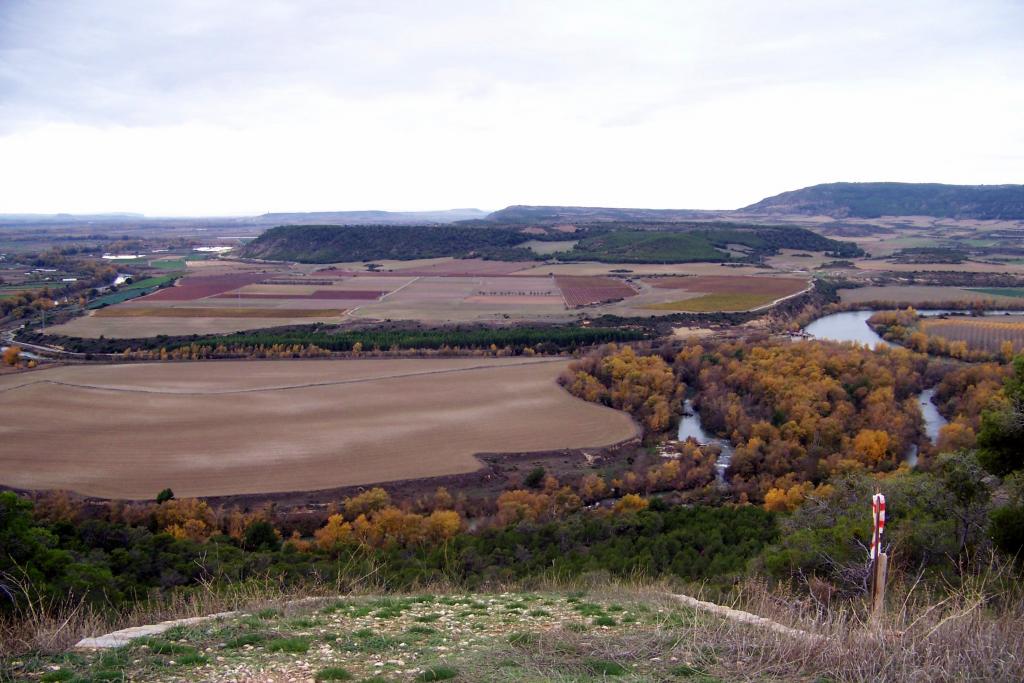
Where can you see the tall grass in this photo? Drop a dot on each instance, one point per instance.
(48, 626)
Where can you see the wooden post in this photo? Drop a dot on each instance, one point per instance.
(879, 570)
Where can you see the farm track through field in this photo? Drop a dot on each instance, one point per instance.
(307, 385)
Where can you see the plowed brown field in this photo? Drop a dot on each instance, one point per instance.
(222, 428)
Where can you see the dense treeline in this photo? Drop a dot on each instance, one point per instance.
(797, 412)
(970, 499)
(643, 385)
(312, 339)
(660, 245)
(112, 562)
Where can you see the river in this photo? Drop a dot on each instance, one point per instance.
(690, 426)
(852, 326)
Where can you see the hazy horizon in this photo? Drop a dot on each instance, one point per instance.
(245, 108)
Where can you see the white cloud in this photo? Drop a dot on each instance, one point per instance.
(177, 108)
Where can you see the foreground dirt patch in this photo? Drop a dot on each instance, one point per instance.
(620, 635)
(225, 428)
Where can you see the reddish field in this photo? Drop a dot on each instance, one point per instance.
(200, 286)
(359, 294)
(231, 312)
(580, 290)
(467, 268)
(723, 284)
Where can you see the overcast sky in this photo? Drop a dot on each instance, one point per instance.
(186, 107)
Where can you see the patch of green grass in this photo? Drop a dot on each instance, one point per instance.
(302, 622)
(523, 639)
(245, 639)
(605, 667)
(58, 675)
(421, 630)
(333, 673)
(438, 673)
(428, 618)
(335, 606)
(576, 627)
(160, 646)
(112, 659)
(268, 613)
(685, 671)
(604, 620)
(589, 609)
(293, 645)
(368, 641)
(191, 659)
(360, 611)
(389, 612)
(711, 303)
(107, 675)
(539, 613)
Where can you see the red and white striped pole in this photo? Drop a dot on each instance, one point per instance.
(879, 561)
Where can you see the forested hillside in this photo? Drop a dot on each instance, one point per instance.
(700, 243)
(871, 200)
(333, 243)
(629, 242)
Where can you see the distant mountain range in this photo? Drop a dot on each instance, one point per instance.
(547, 215)
(873, 200)
(835, 200)
(370, 217)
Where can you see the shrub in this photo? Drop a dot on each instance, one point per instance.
(261, 535)
(535, 478)
(295, 645)
(438, 673)
(604, 667)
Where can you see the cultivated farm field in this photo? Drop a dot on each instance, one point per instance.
(986, 334)
(239, 427)
(722, 293)
(225, 296)
(923, 295)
